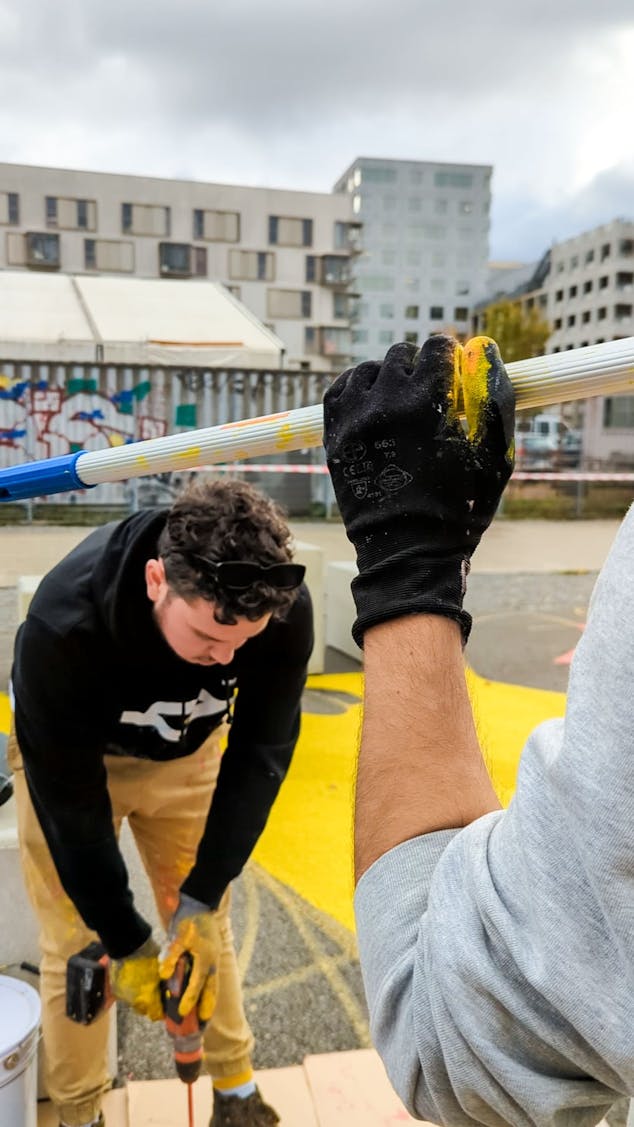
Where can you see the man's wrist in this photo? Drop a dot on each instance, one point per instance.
(410, 582)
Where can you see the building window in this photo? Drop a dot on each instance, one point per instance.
(604, 282)
(412, 312)
(411, 338)
(109, 255)
(587, 287)
(589, 256)
(412, 284)
(622, 312)
(557, 323)
(175, 259)
(146, 219)
(602, 313)
(347, 236)
(71, 214)
(386, 310)
(9, 209)
(585, 317)
(618, 412)
(285, 232)
(42, 250)
(359, 336)
(200, 261)
(605, 251)
(453, 179)
(252, 265)
(624, 280)
(461, 313)
(379, 175)
(51, 211)
(436, 313)
(571, 320)
(216, 226)
(572, 292)
(288, 303)
(342, 305)
(327, 341)
(465, 207)
(626, 247)
(335, 270)
(574, 262)
(377, 282)
(559, 296)
(462, 289)
(561, 267)
(385, 336)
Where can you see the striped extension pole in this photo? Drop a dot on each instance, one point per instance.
(601, 369)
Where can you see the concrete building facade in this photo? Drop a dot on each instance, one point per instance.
(425, 242)
(584, 287)
(285, 254)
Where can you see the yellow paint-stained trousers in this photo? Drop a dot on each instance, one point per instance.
(166, 805)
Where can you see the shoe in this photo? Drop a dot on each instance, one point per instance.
(232, 1111)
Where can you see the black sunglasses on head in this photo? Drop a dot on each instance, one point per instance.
(238, 575)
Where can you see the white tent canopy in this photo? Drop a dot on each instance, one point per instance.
(65, 318)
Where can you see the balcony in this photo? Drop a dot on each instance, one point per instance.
(328, 340)
(42, 250)
(335, 270)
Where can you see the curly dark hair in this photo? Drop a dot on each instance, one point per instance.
(222, 521)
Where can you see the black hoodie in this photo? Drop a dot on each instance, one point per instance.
(92, 674)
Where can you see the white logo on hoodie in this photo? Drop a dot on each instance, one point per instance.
(155, 716)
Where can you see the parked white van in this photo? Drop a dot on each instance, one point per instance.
(544, 441)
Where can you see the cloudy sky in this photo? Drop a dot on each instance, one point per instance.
(287, 93)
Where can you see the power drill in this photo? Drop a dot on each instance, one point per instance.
(88, 994)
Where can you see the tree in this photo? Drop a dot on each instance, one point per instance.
(519, 332)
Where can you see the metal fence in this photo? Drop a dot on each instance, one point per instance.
(52, 409)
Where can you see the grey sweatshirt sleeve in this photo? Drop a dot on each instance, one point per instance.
(498, 960)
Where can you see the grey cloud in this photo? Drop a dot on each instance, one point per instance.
(525, 229)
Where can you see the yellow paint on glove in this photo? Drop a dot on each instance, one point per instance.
(135, 980)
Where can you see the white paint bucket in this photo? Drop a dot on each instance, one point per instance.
(19, 1034)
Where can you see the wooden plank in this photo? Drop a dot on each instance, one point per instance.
(163, 1103)
(115, 1109)
(352, 1090)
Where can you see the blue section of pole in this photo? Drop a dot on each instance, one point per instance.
(38, 479)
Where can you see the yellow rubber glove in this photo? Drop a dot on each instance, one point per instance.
(194, 928)
(135, 980)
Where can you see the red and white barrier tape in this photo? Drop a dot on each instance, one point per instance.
(519, 475)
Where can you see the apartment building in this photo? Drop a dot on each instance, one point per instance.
(285, 254)
(584, 286)
(425, 244)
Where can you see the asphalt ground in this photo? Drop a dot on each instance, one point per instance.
(302, 983)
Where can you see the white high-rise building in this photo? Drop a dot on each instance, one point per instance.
(425, 245)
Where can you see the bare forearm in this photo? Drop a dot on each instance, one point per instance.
(420, 765)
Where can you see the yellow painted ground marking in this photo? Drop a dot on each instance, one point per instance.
(321, 962)
(5, 714)
(252, 918)
(307, 843)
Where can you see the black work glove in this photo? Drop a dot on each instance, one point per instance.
(415, 491)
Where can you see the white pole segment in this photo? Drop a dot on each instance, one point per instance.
(601, 369)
